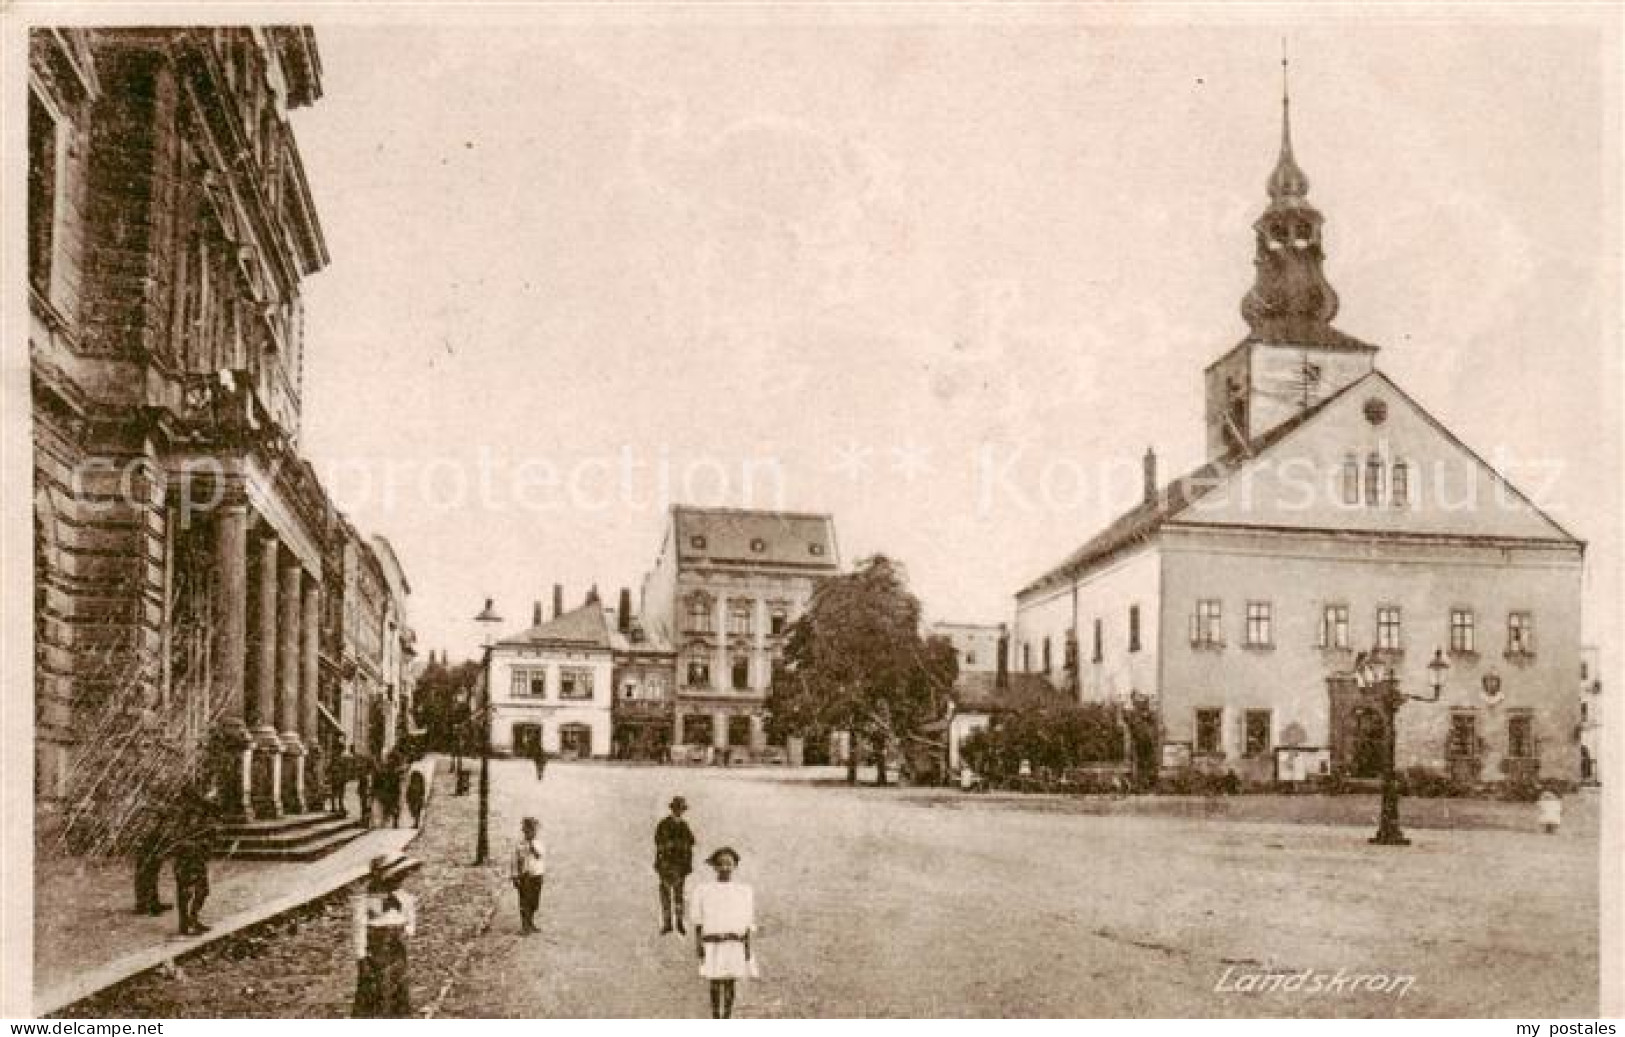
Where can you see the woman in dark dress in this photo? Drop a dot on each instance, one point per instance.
(384, 917)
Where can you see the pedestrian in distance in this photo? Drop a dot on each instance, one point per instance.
(383, 918)
(192, 846)
(724, 917)
(338, 779)
(386, 789)
(417, 793)
(1550, 808)
(363, 788)
(526, 869)
(538, 756)
(674, 860)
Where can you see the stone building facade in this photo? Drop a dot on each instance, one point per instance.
(180, 538)
(723, 592)
(645, 709)
(1334, 516)
(977, 644)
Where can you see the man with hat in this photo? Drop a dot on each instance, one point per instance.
(674, 859)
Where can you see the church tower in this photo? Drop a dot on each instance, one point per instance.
(1291, 357)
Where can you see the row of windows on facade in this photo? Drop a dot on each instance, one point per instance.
(222, 300)
(1098, 653)
(697, 672)
(1207, 631)
(1463, 741)
(757, 545)
(575, 684)
(1376, 482)
(1207, 628)
(741, 617)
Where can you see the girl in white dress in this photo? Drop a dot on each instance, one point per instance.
(723, 914)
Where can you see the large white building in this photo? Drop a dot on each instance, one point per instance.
(554, 684)
(1334, 515)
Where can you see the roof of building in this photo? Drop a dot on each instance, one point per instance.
(735, 536)
(978, 691)
(585, 627)
(649, 643)
(1133, 526)
(1148, 516)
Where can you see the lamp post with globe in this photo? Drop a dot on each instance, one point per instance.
(1375, 676)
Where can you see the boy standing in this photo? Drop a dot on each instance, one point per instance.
(674, 859)
(528, 867)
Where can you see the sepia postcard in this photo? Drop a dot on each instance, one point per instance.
(764, 511)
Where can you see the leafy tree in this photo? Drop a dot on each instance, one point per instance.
(439, 701)
(855, 661)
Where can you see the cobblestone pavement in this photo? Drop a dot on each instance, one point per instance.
(302, 965)
(915, 903)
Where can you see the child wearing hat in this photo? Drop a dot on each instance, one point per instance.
(527, 870)
(383, 919)
(724, 917)
(674, 859)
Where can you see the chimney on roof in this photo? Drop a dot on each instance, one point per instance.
(536, 614)
(623, 611)
(558, 600)
(592, 595)
(1001, 680)
(1150, 475)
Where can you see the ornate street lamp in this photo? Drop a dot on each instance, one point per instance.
(1377, 678)
(482, 841)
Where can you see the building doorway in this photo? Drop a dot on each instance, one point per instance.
(1370, 744)
(739, 732)
(527, 738)
(575, 741)
(697, 729)
(1357, 735)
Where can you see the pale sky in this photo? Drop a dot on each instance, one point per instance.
(872, 253)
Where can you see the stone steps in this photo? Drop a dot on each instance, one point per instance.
(300, 837)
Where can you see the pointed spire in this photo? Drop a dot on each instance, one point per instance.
(1287, 182)
(1291, 300)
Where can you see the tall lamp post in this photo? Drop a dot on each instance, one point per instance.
(1378, 679)
(482, 841)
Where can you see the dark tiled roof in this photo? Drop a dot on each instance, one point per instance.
(978, 691)
(773, 538)
(1149, 516)
(583, 628)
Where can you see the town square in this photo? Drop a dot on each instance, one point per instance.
(807, 512)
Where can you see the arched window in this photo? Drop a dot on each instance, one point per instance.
(1351, 480)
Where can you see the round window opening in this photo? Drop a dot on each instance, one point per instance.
(1376, 411)
(758, 545)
